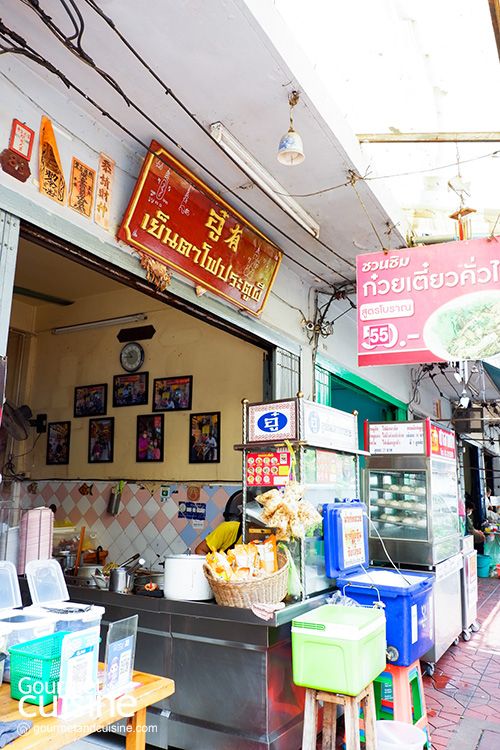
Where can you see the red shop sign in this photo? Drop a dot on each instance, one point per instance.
(429, 304)
(178, 220)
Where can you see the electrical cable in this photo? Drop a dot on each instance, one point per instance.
(179, 102)
(33, 55)
(34, 5)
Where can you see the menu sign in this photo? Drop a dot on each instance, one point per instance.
(353, 537)
(268, 469)
(429, 304)
(442, 442)
(175, 219)
(396, 437)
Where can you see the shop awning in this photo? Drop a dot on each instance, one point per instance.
(493, 373)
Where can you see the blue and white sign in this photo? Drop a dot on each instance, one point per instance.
(326, 427)
(270, 422)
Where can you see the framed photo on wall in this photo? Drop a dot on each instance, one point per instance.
(149, 443)
(130, 390)
(172, 394)
(58, 434)
(204, 438)
(90, 400)
(101, 437)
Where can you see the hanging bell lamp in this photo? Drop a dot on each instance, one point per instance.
(290, 149)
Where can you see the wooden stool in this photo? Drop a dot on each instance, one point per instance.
(351, 706)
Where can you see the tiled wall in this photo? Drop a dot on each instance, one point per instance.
(148, 521)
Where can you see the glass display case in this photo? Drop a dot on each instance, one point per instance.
(412, 496)
(315, 445)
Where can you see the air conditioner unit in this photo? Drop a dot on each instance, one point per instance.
(469, 421)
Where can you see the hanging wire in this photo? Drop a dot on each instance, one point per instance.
(34, 4)
(354, 178)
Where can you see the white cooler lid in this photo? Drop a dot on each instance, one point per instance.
(403, 580)
(46, 581)
(10, 593)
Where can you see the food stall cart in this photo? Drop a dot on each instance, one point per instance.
(317, 446)
(232, 670)
(411, 490)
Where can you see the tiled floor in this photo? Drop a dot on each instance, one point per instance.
(466, 680)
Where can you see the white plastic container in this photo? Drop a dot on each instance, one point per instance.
(50, 596)
(19, 625)
(396, 735)
(5, 631)
(185, 578)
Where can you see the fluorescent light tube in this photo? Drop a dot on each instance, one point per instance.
(262, 177)
(100, 323)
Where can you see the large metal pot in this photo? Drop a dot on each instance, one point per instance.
(185, 578)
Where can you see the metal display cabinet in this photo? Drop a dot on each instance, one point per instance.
(316, 445)
(411, 492)
(410, 487)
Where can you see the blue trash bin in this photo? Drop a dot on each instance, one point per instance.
(408, 608)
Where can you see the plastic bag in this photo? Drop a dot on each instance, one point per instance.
(341, 600)
(294, 582)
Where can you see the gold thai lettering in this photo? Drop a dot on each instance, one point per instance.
(184, 247)
(234, 237)
(215, 223)
(157, 227)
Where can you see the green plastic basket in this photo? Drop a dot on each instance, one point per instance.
(35, 667)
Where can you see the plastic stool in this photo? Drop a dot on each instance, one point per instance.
(365, 699)
(399, 695)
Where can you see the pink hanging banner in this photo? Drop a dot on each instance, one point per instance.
(429, 304)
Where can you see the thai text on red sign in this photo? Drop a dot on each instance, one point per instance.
(176, 219)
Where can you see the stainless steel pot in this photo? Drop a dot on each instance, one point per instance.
(121, 580)
(66, 560)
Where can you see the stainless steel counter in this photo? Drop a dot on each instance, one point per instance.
(232, 670)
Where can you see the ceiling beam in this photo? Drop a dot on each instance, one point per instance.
(495, 20)
(493, 137)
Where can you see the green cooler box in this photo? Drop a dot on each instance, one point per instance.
(338, 649)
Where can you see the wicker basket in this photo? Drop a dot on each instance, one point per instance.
(269, 590)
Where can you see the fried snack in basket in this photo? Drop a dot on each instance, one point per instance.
(219, 565)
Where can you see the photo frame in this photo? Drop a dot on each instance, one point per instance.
(58, 437)
(101, 440)
(172, 394)
(131, 390)
(150, 438)
(21, 139)
(90, 400)
(204, 438)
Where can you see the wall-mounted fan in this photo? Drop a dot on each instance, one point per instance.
(16, 420)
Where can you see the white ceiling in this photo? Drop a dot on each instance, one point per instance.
(414, 67)
(212, 62)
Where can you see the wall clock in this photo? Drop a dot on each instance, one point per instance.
(132, 356)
